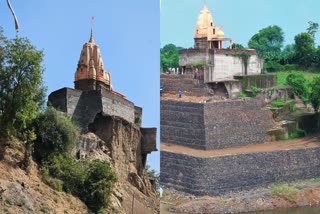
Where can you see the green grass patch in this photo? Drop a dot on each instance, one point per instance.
(283, 189)
(277, 103)
(282, 76)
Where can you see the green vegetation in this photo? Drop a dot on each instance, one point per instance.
(56, 133)
(49, 135)
(243, 95)
(282, 76)
(255, 90)
(199, 64)
(154, 175)
(297, 134)
(277, 103)
(283, 189)
(169, 57)
(315, 93)
(21, 91)
(267, 41)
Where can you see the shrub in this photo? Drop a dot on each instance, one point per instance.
(91, 181)
(297, 134)
(98, 185)
(56, 133)
(277, 103)
(243, 95)
(298, 84)
(255, 90)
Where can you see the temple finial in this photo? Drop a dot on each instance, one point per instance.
(91, 36)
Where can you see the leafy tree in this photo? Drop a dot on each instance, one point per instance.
(267, 40)
(21, 87)
(312, 29)
(56, 133)
(237, 46)
(315, 94)
(169, 57)
(304, 46)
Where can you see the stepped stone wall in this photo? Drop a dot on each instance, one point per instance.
(194, 87)
(218, 175)
(213, 125)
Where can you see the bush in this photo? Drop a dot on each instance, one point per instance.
(298, 84)
(91, 181)
(98, 185)
(315, 94)
(277, 103)
(291, 67)
(255, 90)
(56, 133)
(273, 66)
(297, 134)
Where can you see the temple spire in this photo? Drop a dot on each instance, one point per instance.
(91, 37)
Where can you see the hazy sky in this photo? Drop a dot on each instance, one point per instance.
(241, 18)
(126, 31)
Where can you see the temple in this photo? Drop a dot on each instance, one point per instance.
(215, 68)
(94, 97)
(207, 35)
(90, 74)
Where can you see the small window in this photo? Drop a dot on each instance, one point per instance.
(211, 24)
(214, 31)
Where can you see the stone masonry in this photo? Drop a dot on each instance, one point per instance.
(213, 125)
(218, 175)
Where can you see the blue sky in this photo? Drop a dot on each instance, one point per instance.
(126, 31)
(241, 19)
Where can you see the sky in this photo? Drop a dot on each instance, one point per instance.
(127, 33)
(240, 19)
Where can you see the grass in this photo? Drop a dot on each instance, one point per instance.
(283, 189)
(277, 103)
(282, 76)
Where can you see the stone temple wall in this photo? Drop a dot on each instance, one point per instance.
(213, 125)
(218, 175)
(83, 106)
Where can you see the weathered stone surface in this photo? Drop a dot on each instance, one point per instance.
(217, 175)
(83, 106)
(213, 125)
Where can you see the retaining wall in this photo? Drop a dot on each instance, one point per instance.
(213, 125)
(218, 175)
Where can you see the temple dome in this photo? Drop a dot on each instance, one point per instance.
(205, 21)
(90, 65)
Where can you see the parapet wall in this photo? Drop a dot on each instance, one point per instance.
(218, 175)
(83, 106)
(213, 125)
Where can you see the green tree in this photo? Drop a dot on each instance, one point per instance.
(315, 94)
(267, 40)
(56, 133)
(169, 57)
(237, 46)
(305, 51)
(312, 29)
(21, 87)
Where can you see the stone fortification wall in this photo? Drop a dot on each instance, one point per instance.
(194, 87)
(218, 175)
(235, 123)
(182, 123)
(213, 125)
(83, 106)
